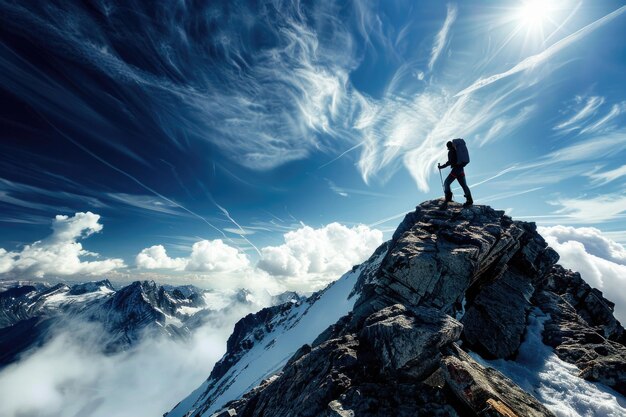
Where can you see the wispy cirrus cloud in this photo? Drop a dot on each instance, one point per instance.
(25, 196)
(577, 159)
(596, 209)
(276, 98)
(589, 108)
(604, 122)
(442, 35)
(347, 191)
(505, 125)
(605, 177)
(147, 202)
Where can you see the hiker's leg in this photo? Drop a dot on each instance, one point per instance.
(466, 190)
(448, 192)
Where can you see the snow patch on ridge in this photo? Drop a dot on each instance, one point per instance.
(539, 371)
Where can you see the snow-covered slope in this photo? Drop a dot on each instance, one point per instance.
(274, 341)
(554, 382)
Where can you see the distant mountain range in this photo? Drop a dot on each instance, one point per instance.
(32, 313)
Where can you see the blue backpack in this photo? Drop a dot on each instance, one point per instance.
(462, 154)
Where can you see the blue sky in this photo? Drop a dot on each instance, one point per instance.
(179, 123)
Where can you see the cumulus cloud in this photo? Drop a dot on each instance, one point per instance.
(308, 260)
(215, 256)
(313, 257)
(600, 260)
(206, 256)
(155, 257)
(60, 253)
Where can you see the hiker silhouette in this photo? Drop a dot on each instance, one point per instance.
(458, 158)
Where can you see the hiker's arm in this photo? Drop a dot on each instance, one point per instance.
(448, 163)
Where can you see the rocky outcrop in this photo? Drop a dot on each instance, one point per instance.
(448, 278)
(496, 318)
(485, 391)
(407, 342)
(581, 331)
(397, 364)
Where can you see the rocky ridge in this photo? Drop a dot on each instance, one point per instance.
(448, 282)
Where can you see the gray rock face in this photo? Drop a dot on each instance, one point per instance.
(576, 342)
(397, 352)
(496, 319)
(588, 302)
(407, 341)
(348, 375)
(437, 256)
(485, 391)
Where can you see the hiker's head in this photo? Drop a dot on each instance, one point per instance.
(450, 145)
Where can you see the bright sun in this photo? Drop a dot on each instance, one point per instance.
(533, 13)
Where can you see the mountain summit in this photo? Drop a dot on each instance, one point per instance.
(408, 331)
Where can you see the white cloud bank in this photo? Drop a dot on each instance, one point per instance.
(600, 261)
(206, 256)
(307, 260)
(60, 253)
(314, 257)
(69, 376)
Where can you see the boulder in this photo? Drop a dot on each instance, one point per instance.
(485, 391)
(408, 341)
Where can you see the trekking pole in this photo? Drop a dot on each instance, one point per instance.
(441, 177)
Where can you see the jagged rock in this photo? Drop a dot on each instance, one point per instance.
(307, 385)
(576, 342)
(495, 321)
(435, 256)
(88, 287)
(485, 391)
(588, 302)
(407, 341)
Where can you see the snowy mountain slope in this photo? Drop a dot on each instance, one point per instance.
(30, 314)
(393, 346)
(554, 382)
(258, 349)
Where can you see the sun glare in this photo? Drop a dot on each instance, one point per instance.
(533, 12)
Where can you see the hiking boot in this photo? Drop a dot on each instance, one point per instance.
(469, 202)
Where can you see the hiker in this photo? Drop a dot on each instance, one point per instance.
(456, 160)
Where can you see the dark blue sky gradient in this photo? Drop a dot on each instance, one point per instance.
(156, 114)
